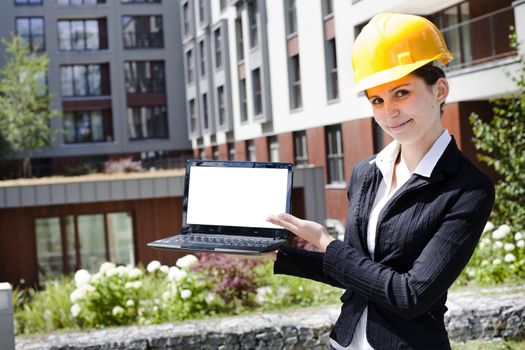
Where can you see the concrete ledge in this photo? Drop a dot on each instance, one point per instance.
(486, 313)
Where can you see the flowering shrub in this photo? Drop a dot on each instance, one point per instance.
(122, 165)
(499, 257)
(119, 295)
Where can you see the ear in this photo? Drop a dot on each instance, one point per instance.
(442, 90)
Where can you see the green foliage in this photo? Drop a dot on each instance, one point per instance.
(44, 311)
(124, 295)
(502, 144)
(499, 258)
(25, 113)
(489, 345)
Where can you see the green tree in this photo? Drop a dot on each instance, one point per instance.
(25, 113)
(501, 141)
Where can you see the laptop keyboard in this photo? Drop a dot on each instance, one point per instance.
(230, 241)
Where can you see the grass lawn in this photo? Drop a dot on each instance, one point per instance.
(489, 345)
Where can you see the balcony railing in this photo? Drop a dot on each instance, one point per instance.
(481, 39)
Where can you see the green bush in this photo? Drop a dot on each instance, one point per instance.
(123, 295)
(499, 257)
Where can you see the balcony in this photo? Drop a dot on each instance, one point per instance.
(480, 40)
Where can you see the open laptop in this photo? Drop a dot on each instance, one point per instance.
(226, 204)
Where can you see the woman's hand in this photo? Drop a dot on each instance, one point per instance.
(308, 230)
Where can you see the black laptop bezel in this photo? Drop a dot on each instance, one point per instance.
(278, 233)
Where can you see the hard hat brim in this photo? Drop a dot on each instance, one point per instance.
(389, 75)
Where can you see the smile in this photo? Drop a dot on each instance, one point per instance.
(398, 127)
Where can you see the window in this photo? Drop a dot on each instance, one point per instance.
(89, 241)
(202, 11)
(328, 7)
(257, 93)
(31, 32)
(331, 74)
(291, 17)
(87, 126)
(141, 1)
(186, 17)
(202, 56)
(147, 123)
(243, 100)
(300, 148)
(28, 2)
(190, 66)
(84, 80)
(79, 2)
(222, 108)
(142, 31)
(231, 151)
(334, 146)
(240, 39)
(250, 148)
(82, 35)
(273, 148)
(144, 77)
(252, 16)
(218, 48)
(295, 87)
(215, 153)
(222, 4)
(193, 116)
(205, 115)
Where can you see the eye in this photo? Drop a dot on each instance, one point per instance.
(401, 93)
(376, 100)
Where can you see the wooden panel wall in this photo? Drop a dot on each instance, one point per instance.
(152, 219)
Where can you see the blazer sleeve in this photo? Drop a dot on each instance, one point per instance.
(411, 293)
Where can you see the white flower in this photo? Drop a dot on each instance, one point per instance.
(106, 266)
(81, 292)
(130, 302)
(484, 242)
(501, 232)
(496, 262)
(166, 295)
(75, 310)
(111, 272)
(210, 298)
(260, 298)
(122, 270)
(117, 311)
(176, 274)
(498, 244)
(509, 258)
(509, 247)
(153, 266)
(135, 273)
(489, 226)
(518, 236)
(82, 277)
(185, 293)
(521, 243)
(187, 261)
(96, 277)
(133, 285)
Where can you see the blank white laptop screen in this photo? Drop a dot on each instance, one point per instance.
(236, 196)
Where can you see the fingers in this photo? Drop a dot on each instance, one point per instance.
(286, 221)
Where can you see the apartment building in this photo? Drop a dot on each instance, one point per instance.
(116, 73)
(271, 80)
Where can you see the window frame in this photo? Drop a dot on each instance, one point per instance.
(30, 31)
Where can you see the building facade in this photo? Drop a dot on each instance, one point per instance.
(116, 74)
(271, 80)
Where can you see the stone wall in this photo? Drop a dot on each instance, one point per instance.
(488, 313)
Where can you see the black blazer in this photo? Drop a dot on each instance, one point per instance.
(425, 236)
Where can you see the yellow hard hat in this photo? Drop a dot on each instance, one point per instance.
(392, 45)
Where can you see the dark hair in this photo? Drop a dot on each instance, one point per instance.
(430, 75)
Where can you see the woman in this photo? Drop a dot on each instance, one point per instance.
(417, 209)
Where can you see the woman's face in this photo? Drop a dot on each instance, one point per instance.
(408, 109)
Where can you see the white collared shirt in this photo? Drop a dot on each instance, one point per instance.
(385, 161)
